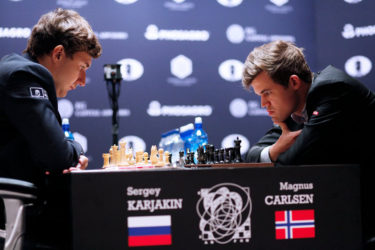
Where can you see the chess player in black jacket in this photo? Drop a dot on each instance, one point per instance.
(59, 51)
(336, 114)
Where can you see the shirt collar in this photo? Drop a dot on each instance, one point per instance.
(300, 117)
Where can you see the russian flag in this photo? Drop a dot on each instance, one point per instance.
(294, 224)
(149, 230)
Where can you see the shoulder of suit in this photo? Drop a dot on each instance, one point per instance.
(13, 63)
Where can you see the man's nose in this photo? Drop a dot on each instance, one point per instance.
(81, 78)
(263, 102)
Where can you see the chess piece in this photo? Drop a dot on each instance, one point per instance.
(115, 154)
(123, 153)
(139, 157)
(181, 161)
(226, 155)
(216, 156)
(167, 158)
(221, 155)
(237, 150)
(201, 155)
(210, 153)
(145, 158)
(161, 162)
(105, 160)
(131, 157)
(111, 157)
(153, 155)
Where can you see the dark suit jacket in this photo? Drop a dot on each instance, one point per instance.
(32, 140)
(341, 115)
(272, 135)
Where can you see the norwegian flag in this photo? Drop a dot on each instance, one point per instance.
(295, 224)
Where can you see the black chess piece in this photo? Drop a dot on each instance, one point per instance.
(210, 153)
(192, 161)
(221, 155)
(216, 156)
(226, 156)
(201, 155)
(237, 150)
(231, 155)
(181, 161)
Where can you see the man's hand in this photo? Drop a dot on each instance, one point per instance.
(82, 165)
(285, 141)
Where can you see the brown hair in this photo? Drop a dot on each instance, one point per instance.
(280, 60)
(66, 28)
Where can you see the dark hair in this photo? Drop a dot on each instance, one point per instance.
(280, 60)
(66, 28)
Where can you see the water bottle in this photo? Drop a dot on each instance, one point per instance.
(66, 128)
(177, 146)
(186, 134)
(169, 140)
(162, 140)
(200, 135)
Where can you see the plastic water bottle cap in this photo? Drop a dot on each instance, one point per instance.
(186, 127)
(198, 119)
(65, 121)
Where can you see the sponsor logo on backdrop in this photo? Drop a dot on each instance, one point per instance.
(112, 35)
(353, 1)
(358, 66)
(81, 139)
(131, 69)
(237, 34)
(134, 142)
(181, 67)
(156, 109)
(154, 33)
(179, 5)
(126, 1)
(228, 142)
(149, 230)
(349, 31)
(74, 4)
(239, 108)
(295, 224)
(80, 109)
(231, 70)
(229, 3)
(279, 7)
(15, 32)
(224, 211)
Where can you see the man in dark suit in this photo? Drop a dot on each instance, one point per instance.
(59, 51)
(336, 113)
(259, 152)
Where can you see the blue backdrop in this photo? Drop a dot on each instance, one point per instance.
(183, 58)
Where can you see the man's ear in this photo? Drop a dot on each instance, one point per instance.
(295, 82)
(58, 53)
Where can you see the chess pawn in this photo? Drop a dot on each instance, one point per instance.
(153, 157)
(145, 158)
(111, 157)
(105, 160)
(115, 154)
(131, 158)
(161, 162)
(138, 157)
(123, 153)
(181, 161)
(167, 159)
